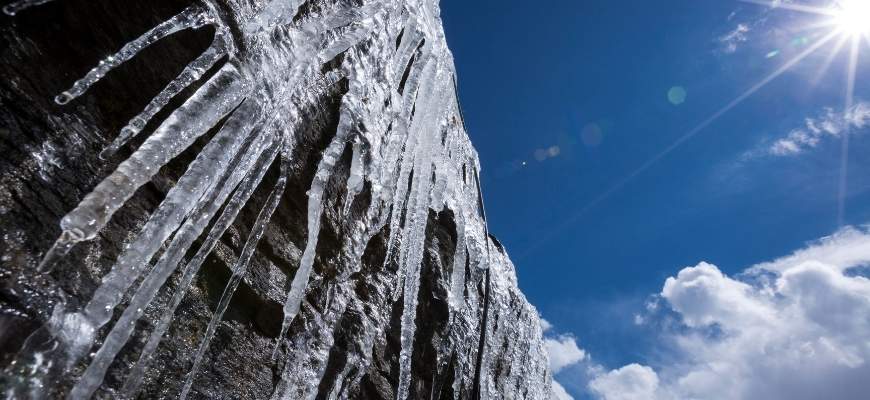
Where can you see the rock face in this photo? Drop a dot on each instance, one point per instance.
(296, 215)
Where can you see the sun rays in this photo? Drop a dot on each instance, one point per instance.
(841, 23)
(849, 20)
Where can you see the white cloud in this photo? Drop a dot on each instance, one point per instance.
(732, 40)
(559, 393)
(545, 325)
(631, 382)
(794, 328)
(804, 335)
(564, 352)
(848, 247)
(704, 296)
(829, 124)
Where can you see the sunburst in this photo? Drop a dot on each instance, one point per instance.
(848, 20)
(841, 22)
(853, 17)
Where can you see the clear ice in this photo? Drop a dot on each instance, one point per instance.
(402, 122)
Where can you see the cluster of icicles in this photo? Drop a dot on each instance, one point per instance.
(402, 121)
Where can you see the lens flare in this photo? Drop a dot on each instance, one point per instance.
(838, 24)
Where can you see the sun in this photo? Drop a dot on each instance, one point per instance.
(852, 17)
(846, 22)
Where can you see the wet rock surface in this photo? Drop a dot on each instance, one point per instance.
(346, 340)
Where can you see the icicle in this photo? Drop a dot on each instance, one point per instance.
(410, 42)
(199, 114)
(442, 171)
(398, 148)
(170, 259)
(355, 179)
(21, 5)
(179, 202)
(177, 205)
(191, 74)
(409, 95)
(298, 376)
(190, 18)
(457, 276)
(406, 169)
(315, 209)
(411, 271)
(399, 186)
(199, 177)
(296, 382)
(239, 270)
(58, 250)
(426, 68)
(425, 124)
(190, 270)
(346, 126)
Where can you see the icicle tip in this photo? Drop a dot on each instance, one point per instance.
(63, 98)
(107, 153)
(58, 250)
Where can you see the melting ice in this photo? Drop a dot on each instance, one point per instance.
(401, 119)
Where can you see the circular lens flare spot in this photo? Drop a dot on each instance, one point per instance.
(677, 95)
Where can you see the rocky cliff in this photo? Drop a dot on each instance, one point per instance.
(247, 199)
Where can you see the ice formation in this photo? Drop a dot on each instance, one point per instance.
(401, 119)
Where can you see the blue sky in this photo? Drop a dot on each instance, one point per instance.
(568, 105)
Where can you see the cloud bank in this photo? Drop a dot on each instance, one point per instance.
(795, 328)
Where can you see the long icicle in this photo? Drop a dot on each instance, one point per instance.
(426, 124)
(191, 269)
(239, 270)
(355, 179)
(214, 158)
(189, 18)
(457, 277)
(412, 85)
(410, 42)
(425, 68)
(21, 5)
(183, 239)
(315, 209)
(72, 333)
(195, 117)
(191, 73)
(294, 384)
(177, 205)
(309, 42)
